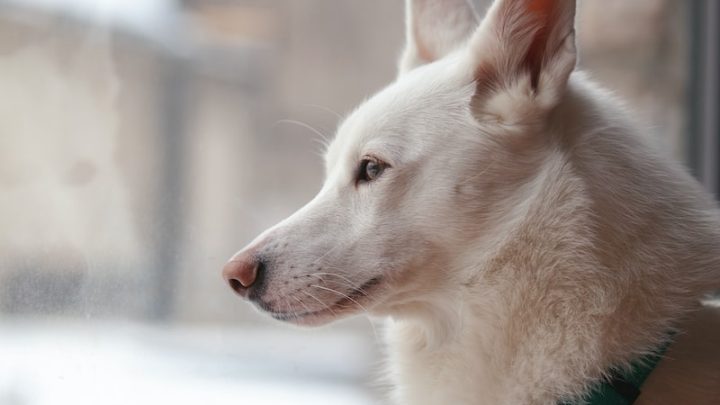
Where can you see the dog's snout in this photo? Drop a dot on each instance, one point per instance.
(244, 272)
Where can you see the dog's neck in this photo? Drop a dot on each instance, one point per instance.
(536, 323)
(523, 315)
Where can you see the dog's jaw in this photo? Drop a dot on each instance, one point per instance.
(352, 302)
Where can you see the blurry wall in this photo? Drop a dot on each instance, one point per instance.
(640, 49)
(135, 158)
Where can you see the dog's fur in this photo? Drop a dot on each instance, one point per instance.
(523, 238)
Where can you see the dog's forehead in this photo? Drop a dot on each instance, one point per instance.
(389, 120)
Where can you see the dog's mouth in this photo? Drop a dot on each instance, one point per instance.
(351, 301)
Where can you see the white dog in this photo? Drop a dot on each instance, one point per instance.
(528, 246)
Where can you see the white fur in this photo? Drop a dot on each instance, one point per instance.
(526, 238)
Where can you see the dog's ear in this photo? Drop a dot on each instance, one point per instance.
(434, 28)
(526, 47)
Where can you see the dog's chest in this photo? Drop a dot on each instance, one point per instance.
(454, 372)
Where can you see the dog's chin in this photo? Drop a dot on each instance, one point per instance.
(318, 318)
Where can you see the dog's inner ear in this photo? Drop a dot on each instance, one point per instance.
(526, 41)
(435, 28)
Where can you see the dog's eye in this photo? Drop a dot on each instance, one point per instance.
(369, 170)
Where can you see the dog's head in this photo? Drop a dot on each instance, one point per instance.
(420, 172)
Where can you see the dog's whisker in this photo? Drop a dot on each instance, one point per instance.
(319, 152)
(477, 175)
(331, 250)
(334, 275)
(324, 305)
(349, 298)
(309, 127)
(319, 274)
(342, 283)
(372, 325)
(326, 109)
(323, 145)
(296, 299)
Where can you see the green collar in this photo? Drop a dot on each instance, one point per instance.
(623, 388)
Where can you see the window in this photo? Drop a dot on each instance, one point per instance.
(144, 142)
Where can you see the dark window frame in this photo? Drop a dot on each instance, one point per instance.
(703, 104)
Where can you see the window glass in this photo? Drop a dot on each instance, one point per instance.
(142, 143)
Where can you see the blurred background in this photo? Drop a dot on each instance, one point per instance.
(143, 142)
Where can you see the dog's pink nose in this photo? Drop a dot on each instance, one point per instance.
(242, 272)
